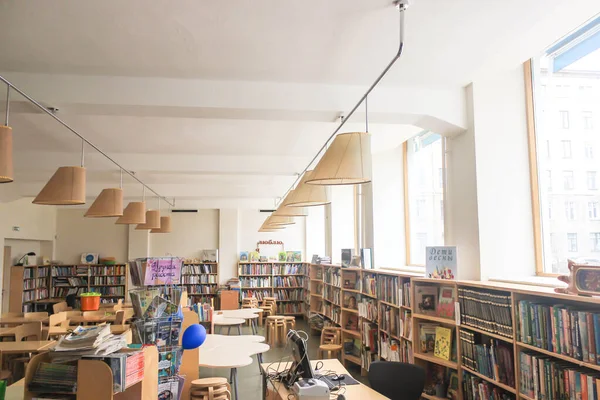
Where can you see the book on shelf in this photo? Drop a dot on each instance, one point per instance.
(350, 279)
(255, 282)
(255, 269)
(427, 299)
(333, 277)
(367, 308)
(560, 329)
(257, 294)
(388, 289)
(475, 388)
(293, 256)
(446, 300)
(350, 301)
(197, 269)
(289, 308)
(405, 327)
(489, 357)
(389, 320)
(288, 295)
(244, 256)
(288, 281)
(369, 285)
(289, 269)
(352, 322)
(443, 343)
(427, 337)
(52, 378)
(488, 310)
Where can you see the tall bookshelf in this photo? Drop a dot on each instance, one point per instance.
(34, 287)
(282, 280)
(201, 280)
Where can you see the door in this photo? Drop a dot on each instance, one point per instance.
(6, 277)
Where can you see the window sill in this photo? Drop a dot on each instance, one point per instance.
(546, 281)
(408, 268)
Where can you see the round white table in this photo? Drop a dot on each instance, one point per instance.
(249, 314)
(220, 320)
(233, 352)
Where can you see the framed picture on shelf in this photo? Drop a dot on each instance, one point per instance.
(350, 301)
(427, 299)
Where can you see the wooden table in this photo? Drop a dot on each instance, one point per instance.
(353, 392)
(90, 319)
(249, 314)
(7, 331)
(233, 352)
(59, 331)
(14, 321)
(220, 320)
(33, 346)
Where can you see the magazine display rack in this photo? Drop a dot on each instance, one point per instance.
(95, 379)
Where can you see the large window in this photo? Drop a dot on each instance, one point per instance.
(564, 99)
(342, 221)
(425, 194)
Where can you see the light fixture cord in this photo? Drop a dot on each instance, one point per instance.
(143, 193)
(7, 104)
(121, 178)
(82, 153)
(366, 115)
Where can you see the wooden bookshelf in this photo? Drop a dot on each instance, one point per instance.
(201, 279)
(33, 287)
(284, 280)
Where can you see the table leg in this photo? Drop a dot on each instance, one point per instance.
(234, 382)
(253, 322)
(229, 330)
(264, 382)
(240, 330)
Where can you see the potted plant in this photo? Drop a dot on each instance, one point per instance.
(90, 301)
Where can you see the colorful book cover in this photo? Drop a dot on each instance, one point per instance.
(440, 262)
(426, 297)
(244, 257)
(169, 362)
(163, 271)
(597, 339)
(160, 307)
(254, 256)
(282, 256)
(583, 331)
(427, 337)
(443, 343)
(446, 301)
(591, 338)
(141, 300)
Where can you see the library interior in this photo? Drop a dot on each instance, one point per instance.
(312, 200)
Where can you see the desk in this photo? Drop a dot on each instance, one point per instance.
(220, 320)
(33, 346)
(249, 314)
(7, 331)
(353, 392)
(14, 321)
(233, 352)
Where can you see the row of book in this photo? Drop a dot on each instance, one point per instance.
(333, 277)
(560, 329)
(28, 273)
(64, 291)
(493, 359)
(289, 308)
(295, 294)
(475, 388)
(389, 289)
(204, 311)
(389, 319)
(255, 282)
(258, 294)
(108, 270)
(255, 269)
(43, 272)
(201, 289)
(288, 269)
(544, 378)
(367, 308)
(369, 285)
(332, 312)
(395, 350)
(198, 269)
(36, 294)
(105, 280)
(332, 294)
(287, 281)
(487, 310)
(70, 271)
(109, 290)
(33, 283)
(195, 279)
(405, 295)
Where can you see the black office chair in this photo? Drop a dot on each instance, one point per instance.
(71, 300)
(398, 381)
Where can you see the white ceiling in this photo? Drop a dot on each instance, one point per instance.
(222, 103)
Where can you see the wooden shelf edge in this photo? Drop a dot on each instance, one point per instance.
(434, 319)
(493, 335)
(559, 356)
(436, 360)
(490, 380)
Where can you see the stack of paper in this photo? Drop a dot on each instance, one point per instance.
(94, 340)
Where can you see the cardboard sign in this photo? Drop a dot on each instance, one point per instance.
(163, 271)
(440, 262)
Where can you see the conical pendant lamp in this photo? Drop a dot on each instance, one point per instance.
(346, 162)
(134, 213)
(272, 229)
(278, 221)
(309, 195)
(152, 221)
(285, 211)
(165, 226)
(6, 154)
(108, 204)
(65, 188)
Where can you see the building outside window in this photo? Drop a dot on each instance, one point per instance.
(549, 180)
(572, 242)
(564, 119)
(593, 210)
(570, 210)
(566, 149)
(420, 208)
(568, 181)
(591, 180)
(589, 151)
(588, 120)
(595, 241)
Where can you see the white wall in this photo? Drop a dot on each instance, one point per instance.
(76, 235)
(388, 209)
(192, 233)
(342, 221)
(315, 232)
(228, 243)
(503, 184)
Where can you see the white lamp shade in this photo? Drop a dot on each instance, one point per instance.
(285, 211)
(152, 221)
(271, 229)
(308, 195)
(346, 162)
(6, 154)
(274, 220)
(65, 188)
(134, 213)
(108, 204)
(165, 226)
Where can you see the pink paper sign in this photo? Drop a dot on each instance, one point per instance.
(163, 271)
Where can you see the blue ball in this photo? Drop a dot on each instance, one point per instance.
(193, 337)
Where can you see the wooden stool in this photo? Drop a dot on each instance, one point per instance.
(275, 330)
(331, 342)
(290, 323)
(210, 389)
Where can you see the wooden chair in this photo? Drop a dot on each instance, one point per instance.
(275, 330)
(5, 374)
(119, 318)
(331, 342)
(94, 313)
(290, 323)
(12, 314)
(60, 307)
(36, 315)
(29, 331)
(210, 389)
(59, 319)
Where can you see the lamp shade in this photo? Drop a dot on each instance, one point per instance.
(308, 195)
(165, 226)
(152, 221)
(65, 188)
(108, 204)
(274, 220)
(271, 229)
(346, 162)
(134, 213)
(6, 154)
(285, 211)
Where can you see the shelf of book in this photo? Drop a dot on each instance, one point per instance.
(493, 335)
(353, 359)
(433, 318)
(490, 380)
(559, 356)
(436, 360)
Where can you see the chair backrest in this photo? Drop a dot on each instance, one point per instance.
(71, 300)
(330, 336)
(94, 313)
(57, 319)
(120, 318)
(59, 307)
(29, 331)
(398, 381)
(36, 315)
(74, 313)
(12, 314)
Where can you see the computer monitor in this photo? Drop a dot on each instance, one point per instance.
(301, 367)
